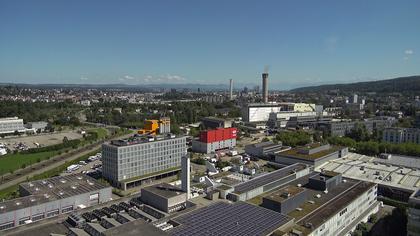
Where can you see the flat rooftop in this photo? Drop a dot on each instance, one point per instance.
(294, 153)
(134, 228)
(164, 190)
(63, 186)
(332, 207)
(55, 188)
(285, 193)
(367, 168)
(232, 219)
(268, 178)
(141, 139)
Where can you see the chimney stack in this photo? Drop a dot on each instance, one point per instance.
(265, 87)
(231, 89)
(185, 175)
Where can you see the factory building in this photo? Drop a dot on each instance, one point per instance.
(214, 123)
(314, 154)
(214, 140)
(260, 112)
(10, 125)
(413, 221)
(401, 135)
(266, 182)
(130, 162)
(51, 197)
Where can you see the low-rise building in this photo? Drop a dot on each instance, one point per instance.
(10, 125)
(401, 135)
(314, 154)
(266, 182)
(264, 149)
(164, 197)
(51, 197)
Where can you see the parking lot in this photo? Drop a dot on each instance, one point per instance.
(41, 139)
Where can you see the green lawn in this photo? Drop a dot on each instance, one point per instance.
(12, 162)
(102, 132)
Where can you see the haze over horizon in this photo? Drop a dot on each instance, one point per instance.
(132, 42)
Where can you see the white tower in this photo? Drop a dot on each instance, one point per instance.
(185, 175)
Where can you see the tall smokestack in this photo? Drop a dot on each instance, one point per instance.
(185, 175)
(231, 89)
(265, 87)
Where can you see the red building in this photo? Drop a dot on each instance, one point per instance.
(213, 140)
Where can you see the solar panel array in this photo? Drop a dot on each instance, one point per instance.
(268, 178)
(229, 219)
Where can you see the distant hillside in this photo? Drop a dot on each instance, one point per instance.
(402, 84)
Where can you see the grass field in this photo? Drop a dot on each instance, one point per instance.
(12, 192)
(12, 162)
(15, 161)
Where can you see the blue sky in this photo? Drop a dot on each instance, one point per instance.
(136, 42)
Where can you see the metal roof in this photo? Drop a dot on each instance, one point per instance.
(268, 178)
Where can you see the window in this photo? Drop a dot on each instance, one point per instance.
(53, 213)
(343, 212)
(7, 225)
(38, 217)
(67, 209)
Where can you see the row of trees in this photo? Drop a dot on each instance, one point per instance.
(375, 148)
(294, 139)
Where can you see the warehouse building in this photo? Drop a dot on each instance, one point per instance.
(292, 119)
(51, 197)
(314, 154)
(9, 125)
(130, 162)
(164, 197)
(264, 183)
(213, 140)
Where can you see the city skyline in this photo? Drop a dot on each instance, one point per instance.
(191, 42)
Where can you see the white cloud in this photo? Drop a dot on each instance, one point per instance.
(409, 52)
(168, 78)
(83, 78)
(128, 77)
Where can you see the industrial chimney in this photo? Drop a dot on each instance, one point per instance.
(231, 89)
(185, 175)
(265, 87)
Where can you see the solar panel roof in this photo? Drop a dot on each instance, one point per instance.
(229, 219)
